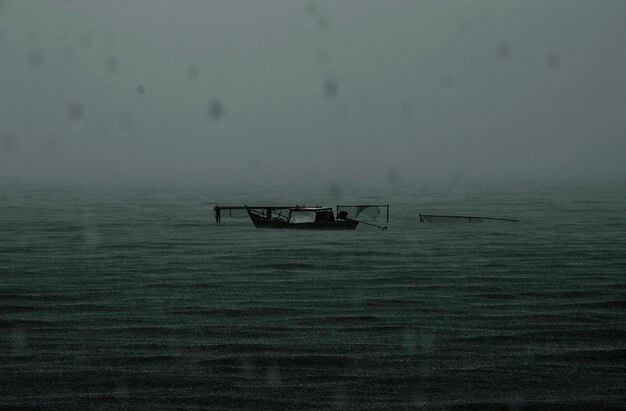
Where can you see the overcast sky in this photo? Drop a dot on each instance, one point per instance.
(314, 92)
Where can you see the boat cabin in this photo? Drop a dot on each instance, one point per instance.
(310, 215)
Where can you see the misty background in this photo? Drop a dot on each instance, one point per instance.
(324, 93)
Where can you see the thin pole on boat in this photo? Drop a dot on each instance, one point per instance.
(216, 210)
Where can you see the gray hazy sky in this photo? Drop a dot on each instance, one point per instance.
(316, 92)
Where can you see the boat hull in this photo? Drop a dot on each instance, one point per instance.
(261, 222)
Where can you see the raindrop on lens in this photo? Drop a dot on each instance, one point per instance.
(111, 64)
(216, 110)
(503, 49)
(74, 111)
(324, 23)
(35, 58)
(310, 7)
(331, 89)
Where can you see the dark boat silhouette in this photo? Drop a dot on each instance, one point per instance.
(300, 217)
(304, 218)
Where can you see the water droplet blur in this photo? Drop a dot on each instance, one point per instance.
(324, 23)
(393, 175)
(141, 89)
(35, 58)
(553, 61)
(193, 72)
(74, 111)
(111, 64)
(310, 6)
(331, 89)
(503, 50)
(216, 110)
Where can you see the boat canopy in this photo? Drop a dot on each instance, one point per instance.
(242, 211)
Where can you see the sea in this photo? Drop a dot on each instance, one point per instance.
(134, 298)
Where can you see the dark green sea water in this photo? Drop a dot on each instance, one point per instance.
(136, 299)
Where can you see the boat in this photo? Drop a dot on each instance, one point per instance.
(304, 217)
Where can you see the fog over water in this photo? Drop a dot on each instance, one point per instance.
(124, 122)
(327, 93)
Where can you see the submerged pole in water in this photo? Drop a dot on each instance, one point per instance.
(216, 211)
(429, 217)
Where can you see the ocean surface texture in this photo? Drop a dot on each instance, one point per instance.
(136, 299)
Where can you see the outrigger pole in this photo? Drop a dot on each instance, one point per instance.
(373, 225)
(425, 217)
